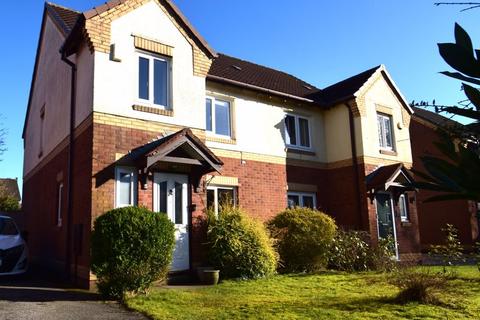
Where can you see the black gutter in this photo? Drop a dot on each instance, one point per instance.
(353, 144)
(68, 250)
(257, 88)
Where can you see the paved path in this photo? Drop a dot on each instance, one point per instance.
(31, 297)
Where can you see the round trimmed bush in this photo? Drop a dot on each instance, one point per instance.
(303, 239)
(240, 246)
(131, 248)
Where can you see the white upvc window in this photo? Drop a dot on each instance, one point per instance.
(59, 204)
(219, 195)
(403, 207)
(385, 131)
(302, 199)
(297, 131)
(218, 115)
(125, 187)
(154, 80)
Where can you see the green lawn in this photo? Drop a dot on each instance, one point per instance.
(322, 296)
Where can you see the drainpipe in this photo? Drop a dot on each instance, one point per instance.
(73, 85)
(353, 145)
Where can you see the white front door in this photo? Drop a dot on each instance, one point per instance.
(170, 195)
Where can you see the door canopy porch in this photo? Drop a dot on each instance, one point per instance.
(179, 152)
(394, 178)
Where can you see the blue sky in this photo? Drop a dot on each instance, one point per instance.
(321, 42)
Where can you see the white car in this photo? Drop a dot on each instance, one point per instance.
(13, 249)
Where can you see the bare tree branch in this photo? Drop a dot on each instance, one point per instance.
(472, 5)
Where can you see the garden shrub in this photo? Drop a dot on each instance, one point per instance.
(303, 239)
(417, 285)
(382, 255)
(352, 251)
(131, 248)
(239, 246)
(9, 204)
(451, 252)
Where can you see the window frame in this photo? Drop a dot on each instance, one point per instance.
(297, 118)
(151, 79)
(382, 132)
(59, 204)
(133, 186)
(212, 132)
(300, 195)
(404, 214)
(215, 197)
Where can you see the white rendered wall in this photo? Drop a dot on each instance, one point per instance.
(52, 90)
(259, 126)
(116, 83)
(380, 94)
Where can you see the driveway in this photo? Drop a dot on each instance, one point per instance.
(37, 296)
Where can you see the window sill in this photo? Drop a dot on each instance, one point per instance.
(163, 112)
(406, 223)
(388, 152)
(300, 151)
(225, 140)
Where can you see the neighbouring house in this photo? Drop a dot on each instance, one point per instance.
(129, 105)
(9, 189)
(433, 216)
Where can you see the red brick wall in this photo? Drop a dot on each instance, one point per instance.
(262, 188)
(47, 241)
(435, 215)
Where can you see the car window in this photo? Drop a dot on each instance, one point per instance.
(8, 227)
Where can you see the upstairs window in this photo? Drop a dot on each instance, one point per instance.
(154, 80)
(385, 131)
(218, 116)
(302, 199)
(297, 131)
(403, 207)
(125, 187)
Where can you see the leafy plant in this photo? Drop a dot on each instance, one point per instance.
(238, 245)
(131, 248)
(458, 174)
(382, 255)
(451, 252)
(352, 251)
(303, 239)
(9, 204)
(418, 285)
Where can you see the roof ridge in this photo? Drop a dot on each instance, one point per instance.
(355, 75)
(62, 7)
(443, 118)
(274, 69)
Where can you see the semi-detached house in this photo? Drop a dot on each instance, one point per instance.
(129, 105)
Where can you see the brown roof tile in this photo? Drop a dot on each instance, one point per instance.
(241, 71)
(345, 89)
(435, 118)
(66, 18)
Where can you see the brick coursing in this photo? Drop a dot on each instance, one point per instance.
(434, 216)
(46, 240)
